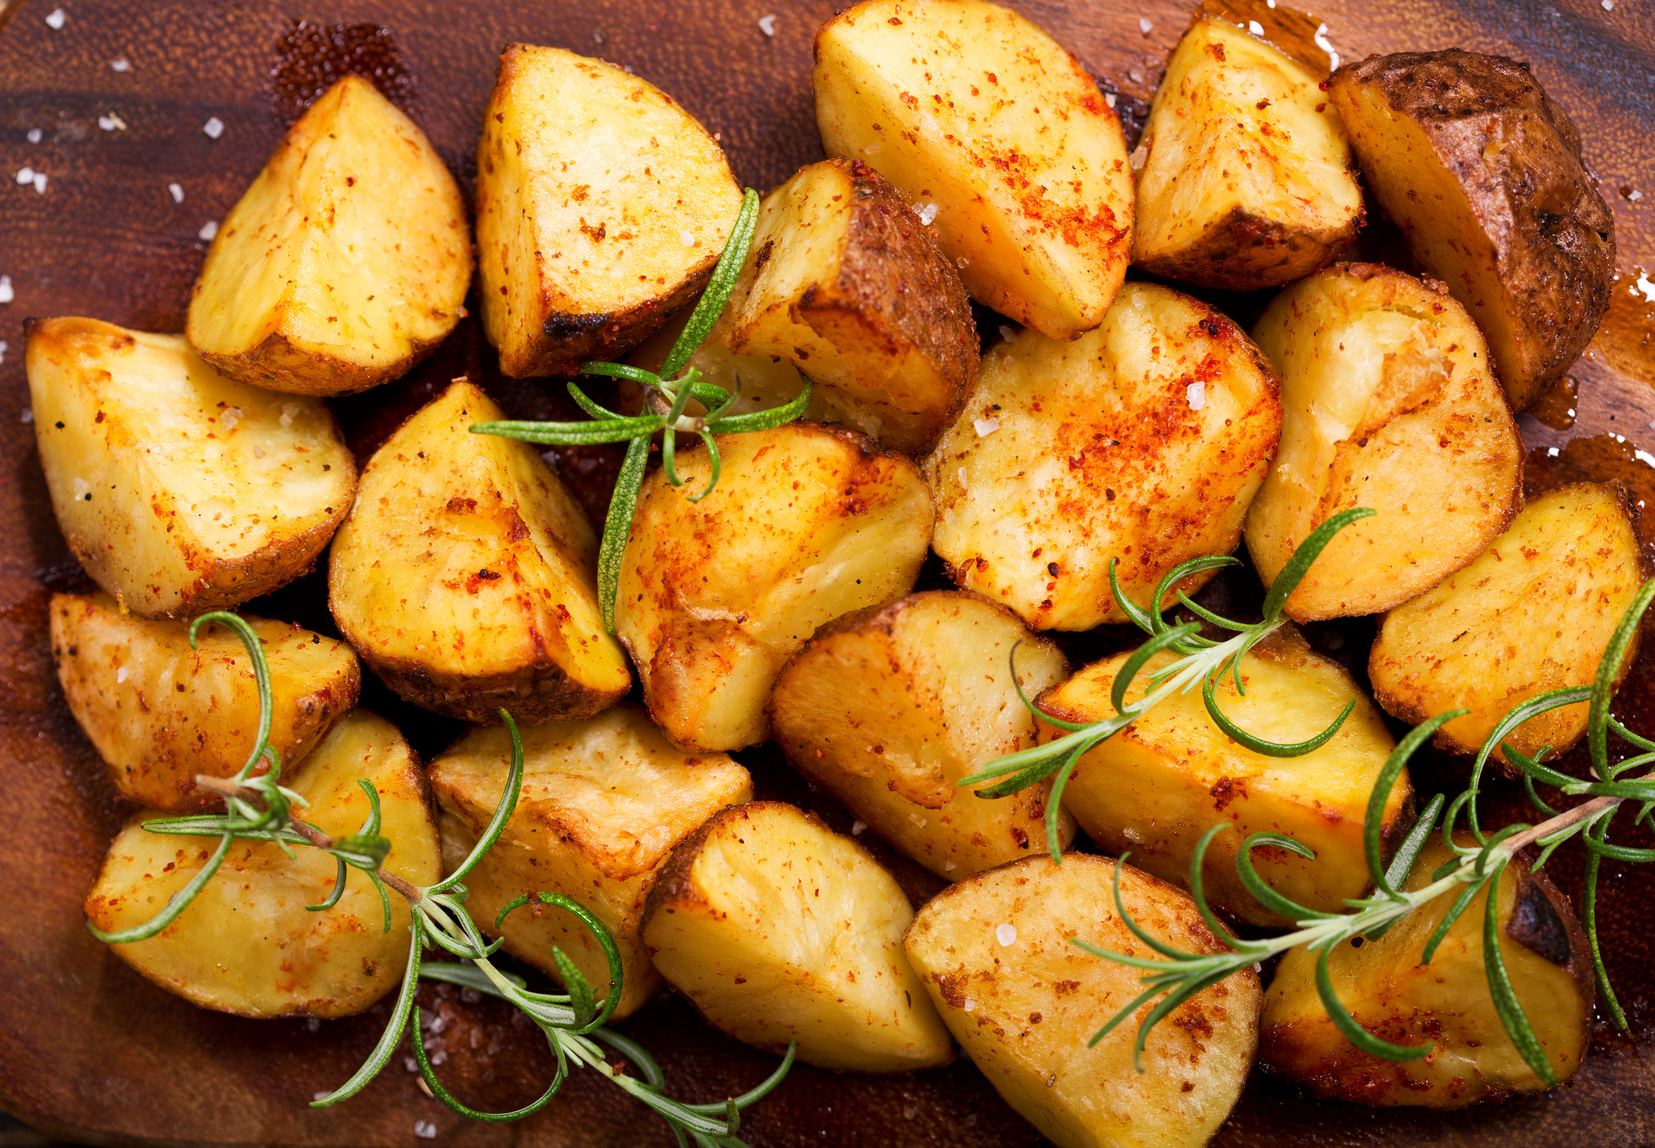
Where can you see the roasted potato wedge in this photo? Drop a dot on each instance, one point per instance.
(1445, 1004)
(1388, 403)
(180, 490)
(995, 954)
(1247, 179)
(601, 208)
(1533, 613)
(807, 523)
(246, 945)
(999, 137)
(347, 260)
(1483, 174)
(1144, 440)
(889, 708)
(603, 803)
(780, 930)
(160, 713)
(466, 575)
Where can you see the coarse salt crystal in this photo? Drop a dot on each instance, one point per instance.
(28, 416)
(962, 478)
(439, 1056)
(410, 1064)
(1258, 966)
(985, 427)
(1109, 98)
(767, 25)
(112, 123)
(258, 452)
(1324, 45)
(1144, 25)
(856, 828)
(176, 190)
(40, 182)
(83, 490)
(121, 676)
(6, 292)
(213, 128)
(1196, 394)
(687, 238)
(1139, 157)
(917, 820)
(56, 20)
(231, 418)
(208, 230)
(871, 149)
(1131, 834)
(35, 135)
(950, 867)
(1255, 27)
(1634, 195)
(926, 212)
(25, 176)
(1134, 75)
(969, 1004)
(288, 411)
(425, 1130)
(120, 64)
(1008, 332)
(1608, 5)
(314, 1024)
(1006, 934)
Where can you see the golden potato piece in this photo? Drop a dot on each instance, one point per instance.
(347, 260)
(603, 803)
(889, 708)
(998, 137)
(807, 523)
(1446, 1003)
(1388, 403)
(1483, 174)
(1247, 179)
(1533, 613)
(466, 575)
(1144, 440)
(180, 490)
(246, 944)
(1170, 776)
(995, 953)
(601, 208)
(159, 712)
(780, 930)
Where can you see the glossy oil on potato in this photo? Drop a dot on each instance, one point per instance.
(1247, 180)
(1388, 403)
(179, 489)
(1446, 1003)
(601, 208)
(1483, 174)
(1534, 612)
(1000, 135)
(1157, 786)
(1143, 441)
(160, 713)
(246, 944)
(603, 803)
(780, 930)
(466, 575)
(807, 523)
(347, 260)
(889, 708)
(996, 956)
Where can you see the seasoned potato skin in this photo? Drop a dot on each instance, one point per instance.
(1483, 173)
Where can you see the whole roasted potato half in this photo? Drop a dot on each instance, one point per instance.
(347, 260)
(889, 708)
(466, 575)
(601, 208)
(1482, 172)
(995, 953)
(1246, 178)
(160, 713)
(1445, 1004)
(246, 944)
(1144, 440)
(1388, 403)
(180, 490)
(1000, 139)
(1534, 612)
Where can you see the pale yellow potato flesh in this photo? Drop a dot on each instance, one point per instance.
(246, 944)
(347, 260)
(780, 930)
(996, 956)
(974, 111)
(179, 489)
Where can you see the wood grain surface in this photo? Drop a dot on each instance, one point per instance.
(91, 1052)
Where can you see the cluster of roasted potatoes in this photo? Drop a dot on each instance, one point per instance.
(971, 158)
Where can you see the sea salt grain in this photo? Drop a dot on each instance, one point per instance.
(35, 135)
(856, 828)
(231, 417)
(1139, 157)
(120, 676)
(208, 230)
(1006, 934)
(28, 415)
(1608, 5)
(83, 490)
(962, 478)
(1255, 27)
(121, 65)
(213, 128)
(112, 123)
(687, 238)
(176, 191)
(425, 1130)
(767, 25)
(970, 1005)
(1109, 98)
(1144, 25)
(927, 212)
(985, 427)
(40, 182)
(25, 176)
(1196, 394)
(288, 411)
(56, 20)
(6, 292)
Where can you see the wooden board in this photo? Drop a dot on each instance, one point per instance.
(90, 1051)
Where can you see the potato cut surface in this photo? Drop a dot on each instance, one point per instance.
(1247, 178)
(179, 489)
(466, 575)
(159, 712)
(1534, 612)
(246, 944)
(807, 523)
(1000, 136)
(603, 803)
(601, 208)
(888, 709)
(1144, 440)
(345, 262)
(1446, 1003)
(1388, 403)
(1173, 774)
(780, 930)
(995, 955)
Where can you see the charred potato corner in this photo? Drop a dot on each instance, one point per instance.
(1067, 624)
